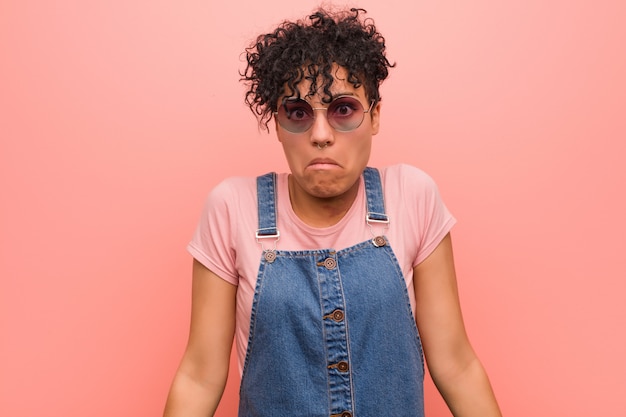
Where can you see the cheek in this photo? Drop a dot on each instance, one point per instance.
(293, 149)
(364, 149)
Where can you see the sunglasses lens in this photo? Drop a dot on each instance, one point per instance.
(295, 115)
(345, 114)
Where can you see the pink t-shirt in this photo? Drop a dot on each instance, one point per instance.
(225, 241)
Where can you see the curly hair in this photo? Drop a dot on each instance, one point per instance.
(307, 50)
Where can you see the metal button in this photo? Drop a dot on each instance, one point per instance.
(344, 414)
(379, 241)
(330, 263)
(338, 315)
(340, 366)
(270, 256)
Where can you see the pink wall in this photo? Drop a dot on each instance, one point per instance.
(117, 117)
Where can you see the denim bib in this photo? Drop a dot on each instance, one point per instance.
(331, 332)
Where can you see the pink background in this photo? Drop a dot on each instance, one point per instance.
(117, 117)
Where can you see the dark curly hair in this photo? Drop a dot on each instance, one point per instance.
(307, 50)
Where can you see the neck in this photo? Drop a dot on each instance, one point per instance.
(321, 212)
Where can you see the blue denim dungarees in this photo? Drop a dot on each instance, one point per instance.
(331, 332)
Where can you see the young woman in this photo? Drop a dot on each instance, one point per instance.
(334, 279)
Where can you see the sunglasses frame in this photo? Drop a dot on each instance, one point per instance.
(326, 108)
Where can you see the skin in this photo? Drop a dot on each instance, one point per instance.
(452, 363)
(322, 186)
(201, 377)
(324, 182)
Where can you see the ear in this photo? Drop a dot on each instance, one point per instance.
(375, 114)
(277, 129)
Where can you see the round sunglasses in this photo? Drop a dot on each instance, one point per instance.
(345, 113)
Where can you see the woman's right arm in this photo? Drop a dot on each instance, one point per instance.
(201, 376)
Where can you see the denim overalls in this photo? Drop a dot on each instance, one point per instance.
(331, 332)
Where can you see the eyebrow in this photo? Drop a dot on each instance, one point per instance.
(333, 96)
(347, 93)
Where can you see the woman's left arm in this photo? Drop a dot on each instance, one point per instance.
(452, 363)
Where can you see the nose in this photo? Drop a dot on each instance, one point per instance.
(321, 132)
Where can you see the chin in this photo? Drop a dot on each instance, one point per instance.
(329, 189)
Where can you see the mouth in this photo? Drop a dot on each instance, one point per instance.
(322, 163)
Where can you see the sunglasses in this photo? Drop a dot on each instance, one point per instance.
(345, 113)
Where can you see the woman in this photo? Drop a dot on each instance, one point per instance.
(299, 267)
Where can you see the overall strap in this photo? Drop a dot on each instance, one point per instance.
(266, 205)
(266, 201)
(374, 196)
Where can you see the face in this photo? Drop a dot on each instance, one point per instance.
(326, 162)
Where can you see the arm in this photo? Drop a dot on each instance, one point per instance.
(201, 376)
(453, 365)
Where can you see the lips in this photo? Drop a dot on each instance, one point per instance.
(323, 161)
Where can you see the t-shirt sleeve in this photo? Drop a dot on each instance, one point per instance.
(212, 243)
(429, 218)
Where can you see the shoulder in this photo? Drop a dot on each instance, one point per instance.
(404, 179)
(233, 191)
(230, 198)
(412, 197)
(410, 190)
(233, 186)
(235, 194)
